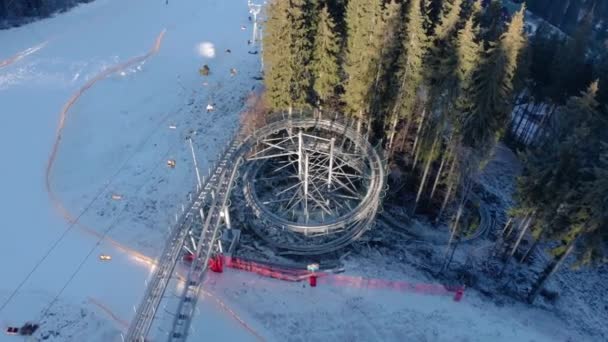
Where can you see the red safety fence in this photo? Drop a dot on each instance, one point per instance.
(266, 270)
(314, 278)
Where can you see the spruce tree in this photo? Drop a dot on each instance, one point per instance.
(288, 51)
(324, 66)
(301, 51)
(410, 64)
(441, 61)
(485, 122)
(491, 21)
(562, 183)
(361, 18)
(388, 40)
(278, 73)
(570, 70)
(450, 15)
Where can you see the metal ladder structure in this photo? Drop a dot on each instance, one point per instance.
(216, 218)
(198, 229)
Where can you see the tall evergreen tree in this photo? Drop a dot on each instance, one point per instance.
(278, 73)
(491, 21)
(288, 51)
(301, 51)
(487, 119)
(325, 58)
(449, 18)
(559, 182)
(570, 69)
(387, 38)
(361, 19)
(410, 74)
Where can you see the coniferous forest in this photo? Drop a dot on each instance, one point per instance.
(439, 83)
(17, 12)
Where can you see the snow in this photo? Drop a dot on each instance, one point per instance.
(110, 173)
(295, 312)
(116, 140)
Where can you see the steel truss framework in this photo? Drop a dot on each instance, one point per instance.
(329, 182)
(313, 184)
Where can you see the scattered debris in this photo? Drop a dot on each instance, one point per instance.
(105, 257)
(171, 163)
(204, 71)
(12, 330)
(28, 329)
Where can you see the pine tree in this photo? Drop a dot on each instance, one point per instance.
(387, 37)
(467, 56)
(288, 51)
(325, 58)
(279, 72)
(450, 15)
(491, 21)
(361, 54)
(441, 59)
(559, 182)
(570, 70)
(301, 51)
(410, 74)
(487, 119)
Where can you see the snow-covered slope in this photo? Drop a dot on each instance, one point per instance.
(116, 140)
(114, 76)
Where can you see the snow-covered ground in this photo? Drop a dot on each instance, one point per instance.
(116, 140)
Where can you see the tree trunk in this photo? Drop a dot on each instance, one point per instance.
(391, 135)
(521, 235)
(406, 130)
(450, 187)
(548, 272)
(419, 129)
(449, 260)
(426, 171)
(463, 200)
(416, 155)
(439, 171)
(506, 226)
(369, 128)
(529, 251)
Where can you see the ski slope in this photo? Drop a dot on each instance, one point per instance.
(88, 98)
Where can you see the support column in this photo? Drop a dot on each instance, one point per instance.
(331, 162)
(306, 187)
(227, 217)
(198, 175)
(300, 154)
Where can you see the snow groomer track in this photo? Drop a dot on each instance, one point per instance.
(310, 186)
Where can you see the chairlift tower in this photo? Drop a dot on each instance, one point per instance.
(254, 9)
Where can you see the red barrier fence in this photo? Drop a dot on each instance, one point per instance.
(314, 278)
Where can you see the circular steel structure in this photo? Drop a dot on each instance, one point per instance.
(312, 185)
